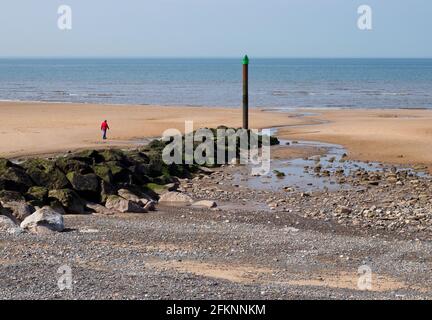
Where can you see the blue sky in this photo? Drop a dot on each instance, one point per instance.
(216, 28)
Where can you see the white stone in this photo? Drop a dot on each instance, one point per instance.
(175, 197)
(43, 220)
(122, 205)
(205, 203)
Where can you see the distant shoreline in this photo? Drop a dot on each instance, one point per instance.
(261, 108)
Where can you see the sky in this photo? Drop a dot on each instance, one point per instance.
(216, 28)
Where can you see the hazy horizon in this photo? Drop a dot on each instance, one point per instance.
(209, 58)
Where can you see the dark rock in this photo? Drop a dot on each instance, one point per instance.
(57, 206)
(119, 173)
(89, 157)
(106, 190)
(150, 205)
(137, 156)
(278, 173)
(157, 145)
(113, 155)
(87, 185)
(9, 196)
(67, 165)
(45, 173)
(69, 199)
(15, 179)
(104, 172)
(37, 196)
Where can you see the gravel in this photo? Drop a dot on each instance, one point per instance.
(256, 244)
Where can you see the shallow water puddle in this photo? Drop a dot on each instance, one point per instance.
(316, 173)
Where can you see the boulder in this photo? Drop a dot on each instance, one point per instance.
(19, 209)
(113, 155)
(44, 220)
(122, 205)
(172, 197)
(45, 173)
(69, 199)
(137, 156)
(164, 180)
(157, 144)
(156, 164)
(89, 157)
(57, 206)
(150, 205)
(37, 196)
(8, 196)
(205, 204)
(15, 179)
(104, 172)
(155, 189)
(99, 209)
(7, 225)
(128, 195)
(87, 185)
(5, 164)
(106, 190)
(138, 177)
(136, 194)
(141, 169)
(68, 165)
(119, 173)
(172, 186)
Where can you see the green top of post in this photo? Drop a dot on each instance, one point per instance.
(246, 60)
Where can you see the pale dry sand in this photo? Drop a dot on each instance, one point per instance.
(33, 128)
(391, 136)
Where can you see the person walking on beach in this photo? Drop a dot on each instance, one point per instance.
(104, 128)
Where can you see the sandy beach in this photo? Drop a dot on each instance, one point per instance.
(392, 136)
(43, 128)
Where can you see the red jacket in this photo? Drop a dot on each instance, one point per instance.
(104, 126)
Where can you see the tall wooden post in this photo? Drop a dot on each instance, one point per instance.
(246, 92)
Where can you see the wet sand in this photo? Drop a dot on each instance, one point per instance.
(390, 136)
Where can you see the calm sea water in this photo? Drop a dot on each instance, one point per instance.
(274, 83)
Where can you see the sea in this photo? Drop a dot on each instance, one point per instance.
(273, 83)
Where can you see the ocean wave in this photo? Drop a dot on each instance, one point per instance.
(100, 95)
(383, 93)
(282, 93)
